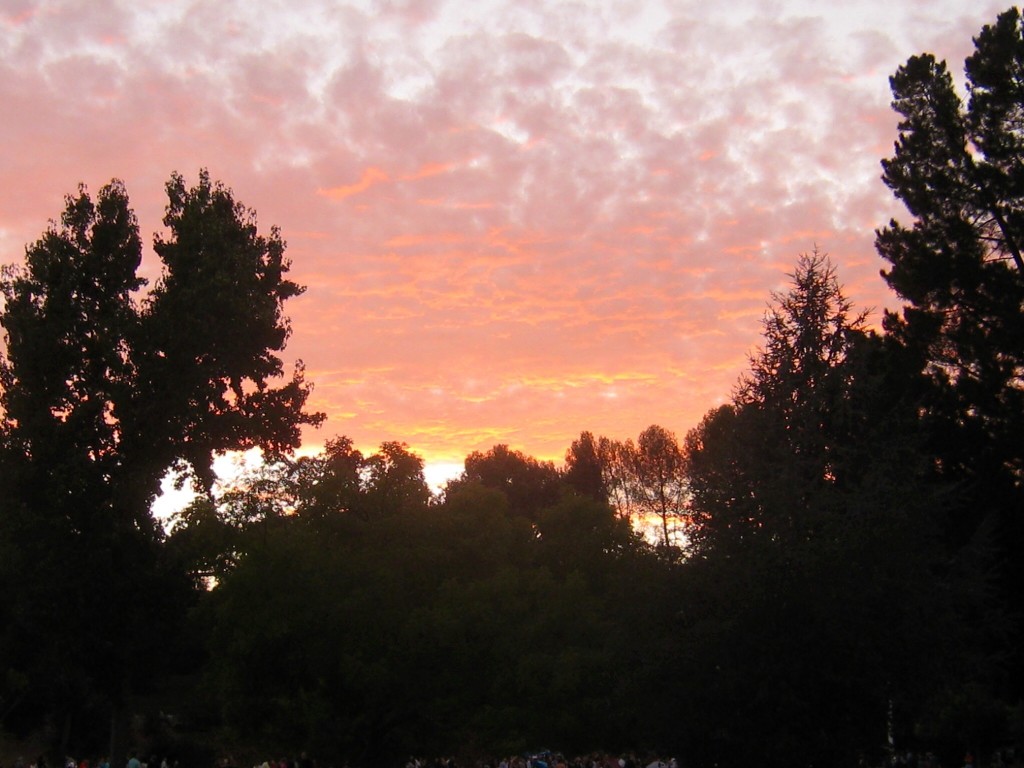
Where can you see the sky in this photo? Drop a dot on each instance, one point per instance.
(516, 219)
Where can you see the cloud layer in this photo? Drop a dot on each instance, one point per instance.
(516, 220)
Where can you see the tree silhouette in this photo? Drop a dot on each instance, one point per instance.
(104, 389)
(957, 168)
(814, 523)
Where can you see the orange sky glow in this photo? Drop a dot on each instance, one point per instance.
(515, 220)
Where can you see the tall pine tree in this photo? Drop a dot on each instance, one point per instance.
(959, 169)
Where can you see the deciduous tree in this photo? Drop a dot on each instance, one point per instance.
(583, 468)
(530, 485)
(660, 488)
(103, 389)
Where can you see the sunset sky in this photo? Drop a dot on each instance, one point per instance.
(517, 219)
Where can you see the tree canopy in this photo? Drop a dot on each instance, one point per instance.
(103, 389)
(824, 570)
(957, 167)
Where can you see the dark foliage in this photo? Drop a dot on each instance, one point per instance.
(957, 168)
(103, 389)
(837, 548)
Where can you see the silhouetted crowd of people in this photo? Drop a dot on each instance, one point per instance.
(541, 759)
(546, 759)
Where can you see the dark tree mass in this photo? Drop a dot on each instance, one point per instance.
(104, 389)
(826, 570)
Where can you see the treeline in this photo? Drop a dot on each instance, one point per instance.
(829, 565)
(812, 599)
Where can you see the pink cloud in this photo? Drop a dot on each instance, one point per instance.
(371, 176)
(572, 223)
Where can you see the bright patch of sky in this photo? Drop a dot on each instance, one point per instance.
(229, 467)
